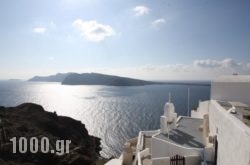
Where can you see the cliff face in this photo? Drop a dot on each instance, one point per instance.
(31, 120)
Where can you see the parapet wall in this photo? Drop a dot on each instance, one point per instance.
(232, 135)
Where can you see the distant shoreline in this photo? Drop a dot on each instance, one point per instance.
(196, 83)
(108, 80)
(188, 83)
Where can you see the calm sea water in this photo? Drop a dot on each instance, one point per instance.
(114, 114)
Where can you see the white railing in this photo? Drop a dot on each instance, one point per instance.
(150, 133)
(139, 159)
(142, 155)
(140, 141)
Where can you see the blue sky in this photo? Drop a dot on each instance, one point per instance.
(160, 39)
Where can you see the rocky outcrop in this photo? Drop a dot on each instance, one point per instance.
(31, 120)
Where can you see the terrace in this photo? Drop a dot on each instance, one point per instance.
(187, 133)
(237, 109)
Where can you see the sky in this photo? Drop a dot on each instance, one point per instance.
(147, 39)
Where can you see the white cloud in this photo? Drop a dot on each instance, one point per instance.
(228, 63)
(176, 71)
(208, 63)
(141, 10)
(158, 22)
(40, 30)
(92, 30)
(45, 27)
(206, 70)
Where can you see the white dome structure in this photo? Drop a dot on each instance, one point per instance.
(169, 118)
(169, 109)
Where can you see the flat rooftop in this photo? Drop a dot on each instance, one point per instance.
(186, 134)
(242, 111)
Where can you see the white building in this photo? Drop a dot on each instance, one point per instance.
(229, 119)
(218, 132)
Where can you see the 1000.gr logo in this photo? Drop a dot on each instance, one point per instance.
(62, 146)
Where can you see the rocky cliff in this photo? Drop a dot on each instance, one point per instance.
(31, 120)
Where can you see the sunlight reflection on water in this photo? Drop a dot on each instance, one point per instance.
(114, 114)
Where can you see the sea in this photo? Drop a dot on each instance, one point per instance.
(114, 114)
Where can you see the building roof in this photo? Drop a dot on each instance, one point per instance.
(233, 78)
(242, 111)
(186, 134)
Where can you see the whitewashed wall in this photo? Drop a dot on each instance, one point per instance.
(192, 160)
(161, 148)
(233, 136)
(202, 109)
(161, 161)
(189, 160)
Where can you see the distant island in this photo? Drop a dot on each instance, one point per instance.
(59, 77)
(109, 80)
(102, 79)
(15, 80)
(91, 79)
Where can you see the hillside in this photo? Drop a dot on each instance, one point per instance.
(110, 80)
(101, 79)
